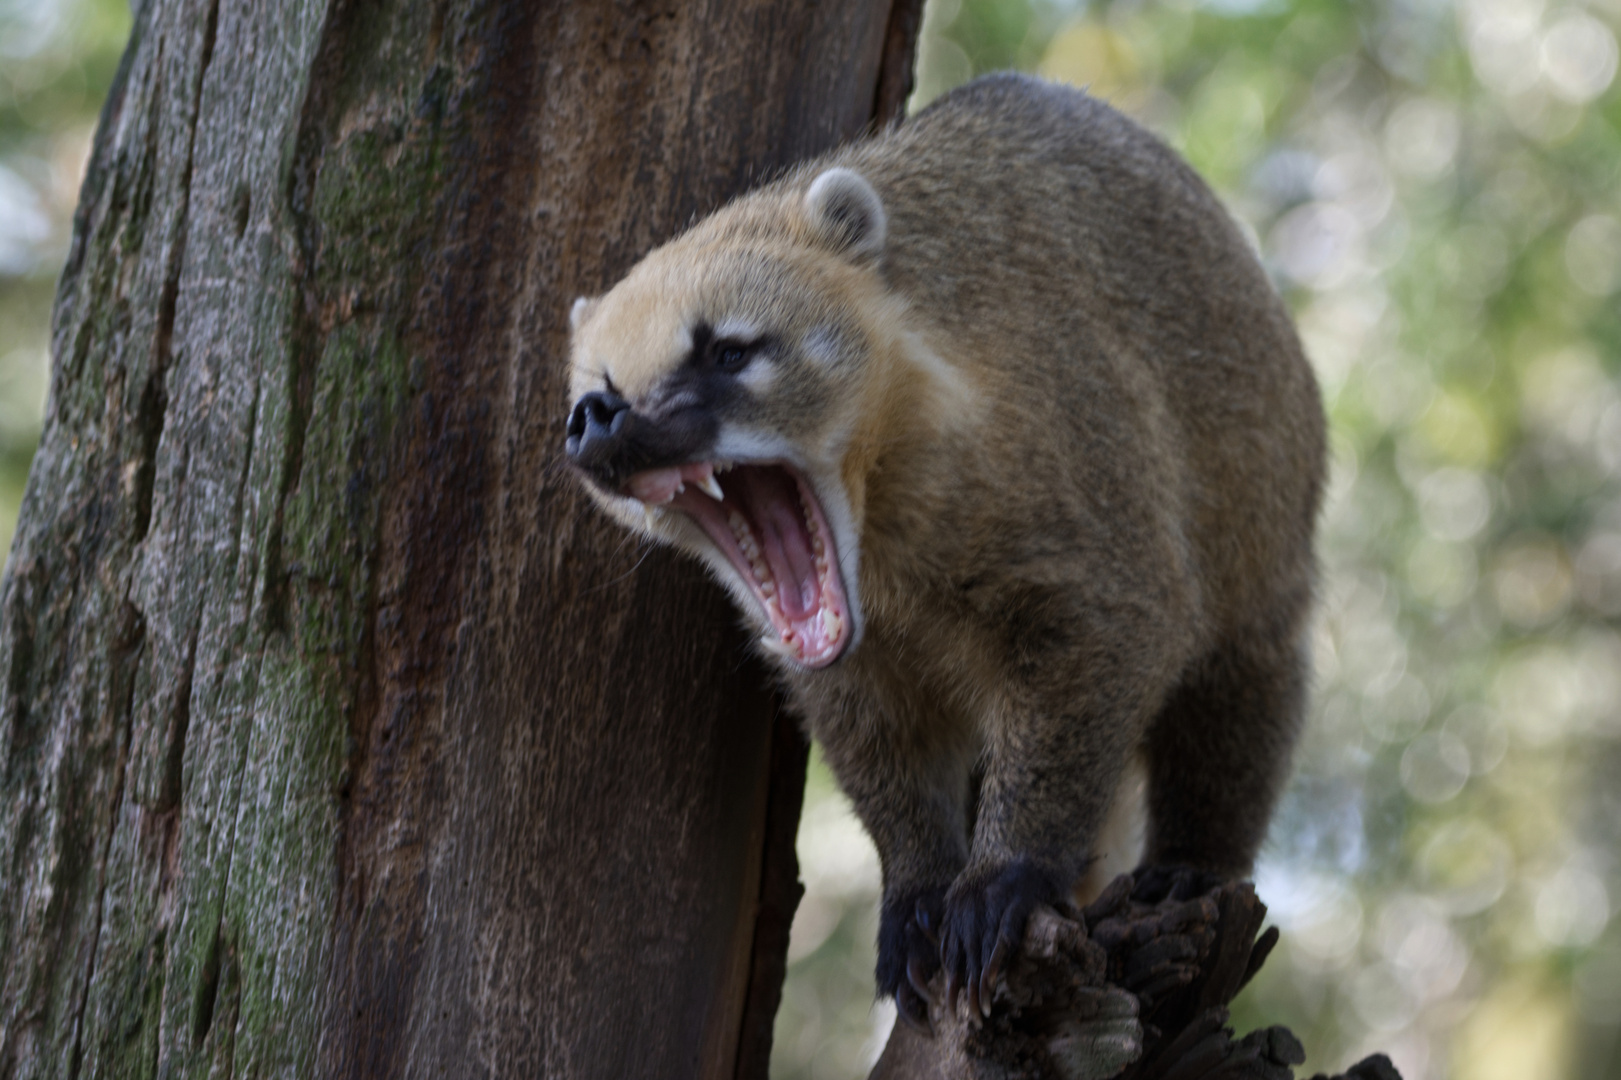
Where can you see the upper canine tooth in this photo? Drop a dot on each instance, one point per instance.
(711, 487)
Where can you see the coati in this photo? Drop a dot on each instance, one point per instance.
(1000, 438)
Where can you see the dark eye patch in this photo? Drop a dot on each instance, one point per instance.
(725, 355)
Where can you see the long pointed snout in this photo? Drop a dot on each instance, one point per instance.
(595, 429)
(609, 440)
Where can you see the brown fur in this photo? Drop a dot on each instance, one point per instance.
(1081, 453)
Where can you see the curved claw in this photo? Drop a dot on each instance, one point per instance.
(918, 977)
(907, 956)
(926, 921)
(913, 1011)
(993, 971)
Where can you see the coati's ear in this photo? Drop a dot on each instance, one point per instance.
(581, 311)
(848, 212)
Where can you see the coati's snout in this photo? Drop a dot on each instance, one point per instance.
(594, 427)
(610, 441)
(596, 436)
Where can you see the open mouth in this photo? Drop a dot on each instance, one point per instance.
(767, 521)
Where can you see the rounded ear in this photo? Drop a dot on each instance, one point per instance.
(847, 211)
(580, 311)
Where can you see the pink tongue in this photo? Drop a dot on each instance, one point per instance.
(785, 542)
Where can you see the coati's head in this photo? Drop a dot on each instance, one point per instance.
(720, 393)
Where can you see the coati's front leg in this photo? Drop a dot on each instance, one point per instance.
(1045, 795)
(909, 782)
(1054, 752)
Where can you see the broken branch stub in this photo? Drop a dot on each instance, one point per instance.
(1135, 986)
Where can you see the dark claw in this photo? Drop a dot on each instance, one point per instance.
(913, 1010)
(908, 956)
(993, 970)
(918, 977)
(974, 1009)
(928, 918)
(984, 923)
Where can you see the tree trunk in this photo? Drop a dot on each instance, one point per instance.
(339, 735)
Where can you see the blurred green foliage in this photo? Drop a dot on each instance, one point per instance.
(1435, 186)
(57, 58)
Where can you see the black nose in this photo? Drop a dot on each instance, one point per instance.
(594, 425)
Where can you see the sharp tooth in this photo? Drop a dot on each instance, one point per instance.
(768, 589)
(647, 512)
(832, 625)
(711, 487)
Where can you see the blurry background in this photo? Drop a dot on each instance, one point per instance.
(1436, 187)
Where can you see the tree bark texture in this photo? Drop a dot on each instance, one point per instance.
(339, 736)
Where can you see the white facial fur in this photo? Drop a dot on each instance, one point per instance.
(641, 331)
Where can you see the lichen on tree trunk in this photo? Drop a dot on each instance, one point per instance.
(338, 735)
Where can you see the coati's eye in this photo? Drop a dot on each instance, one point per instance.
(731, 356)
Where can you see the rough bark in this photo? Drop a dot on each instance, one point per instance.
(338, 736)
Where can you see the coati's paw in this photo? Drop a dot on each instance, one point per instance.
(984, 923)
(909, 951)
